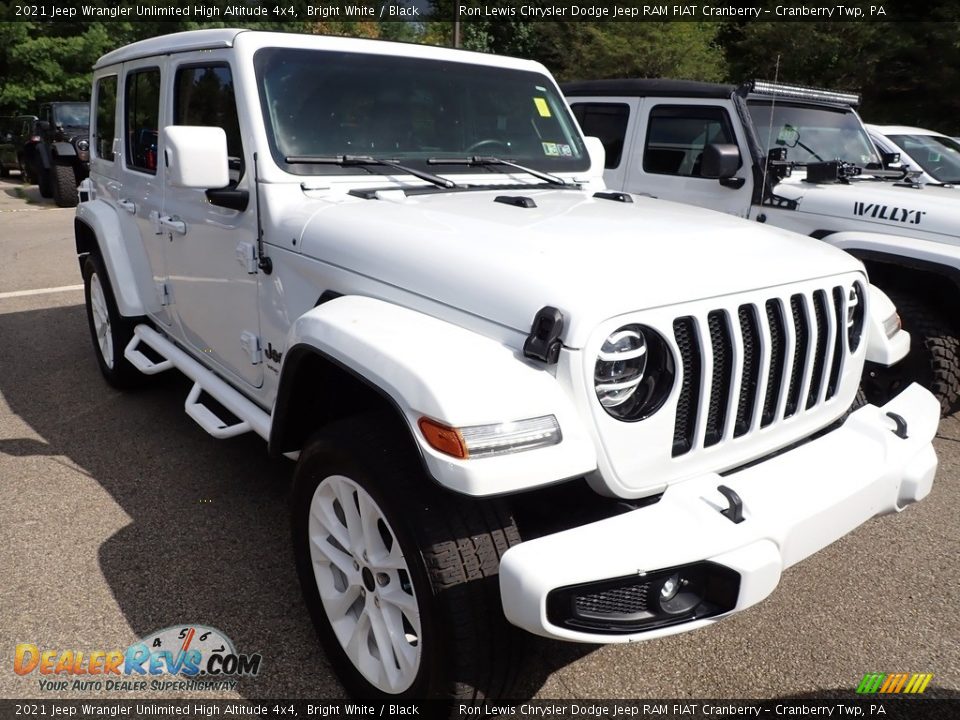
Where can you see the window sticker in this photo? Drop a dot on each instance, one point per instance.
(551, 149)
(565, 150)
(542, 106)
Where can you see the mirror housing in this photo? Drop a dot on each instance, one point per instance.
(196, 156)
(889, 158)
(720, 160)
(598, 156)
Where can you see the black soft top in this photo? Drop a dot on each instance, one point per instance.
(647, 87)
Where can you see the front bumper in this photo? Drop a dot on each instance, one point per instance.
(793, 505)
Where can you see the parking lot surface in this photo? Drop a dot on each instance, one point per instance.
(120, 517)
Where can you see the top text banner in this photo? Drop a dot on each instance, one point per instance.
(250, 12)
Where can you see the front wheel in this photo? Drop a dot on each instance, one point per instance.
(399, 576)
(65, 186)
(933, 360)
(110, 331)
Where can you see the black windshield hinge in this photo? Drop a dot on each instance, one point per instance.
(543, 342)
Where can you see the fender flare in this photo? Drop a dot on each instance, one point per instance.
(428, 367)
(904, 251)
(64, 150)
(126, 263)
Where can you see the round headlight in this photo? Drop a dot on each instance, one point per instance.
(83, 145)
(856, 313)
(634, 373)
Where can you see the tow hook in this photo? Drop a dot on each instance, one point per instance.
(735, 512)
(901, 429)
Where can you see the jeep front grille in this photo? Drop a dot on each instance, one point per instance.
(747, 367)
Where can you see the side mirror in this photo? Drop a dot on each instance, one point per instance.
(598, 156)
(720, 160)
(196, 156)
(889, 158)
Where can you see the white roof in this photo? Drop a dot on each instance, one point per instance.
(900, 130)
(227, 37)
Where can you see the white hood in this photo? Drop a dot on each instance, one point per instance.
(880, 206)
(591, 258)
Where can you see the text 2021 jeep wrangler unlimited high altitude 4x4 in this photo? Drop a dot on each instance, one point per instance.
(400, 264)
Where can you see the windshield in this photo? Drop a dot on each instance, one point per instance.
(72, 114)
(812, 134)
(936, 154)
(323, 103)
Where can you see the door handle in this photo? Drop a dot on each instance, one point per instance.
(174, 223)
(129, 205)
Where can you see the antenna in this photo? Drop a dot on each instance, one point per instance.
(773, 106)
(264, 263)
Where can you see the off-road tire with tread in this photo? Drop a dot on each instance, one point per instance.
(65, 186)
(934, 357)
(454, 544)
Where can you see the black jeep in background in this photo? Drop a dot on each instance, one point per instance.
(56, 156)
(14, 133)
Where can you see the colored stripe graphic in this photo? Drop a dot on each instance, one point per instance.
(894, 683)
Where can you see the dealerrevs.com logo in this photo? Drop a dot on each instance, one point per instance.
(182, 657)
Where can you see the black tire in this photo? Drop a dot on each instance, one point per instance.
(65, 186)
(4, 171)
(117, 370)
(452, 546)
(933, 361)
(42, 178)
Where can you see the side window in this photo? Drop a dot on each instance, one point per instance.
(677, 134)
(205, 96)
(142, 118)
(106, 117)
(607, 121)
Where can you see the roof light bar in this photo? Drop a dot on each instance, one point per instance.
(799, 92)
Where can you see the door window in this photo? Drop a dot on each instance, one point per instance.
(106, 117)
(205, 96)
(677, 135)
(607, 121)
(142, 124)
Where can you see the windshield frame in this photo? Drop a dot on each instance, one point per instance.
(450, 76)
(868, 161)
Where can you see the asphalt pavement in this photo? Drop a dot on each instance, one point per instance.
(119, 517)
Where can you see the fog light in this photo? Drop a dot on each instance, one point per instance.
(677, 596)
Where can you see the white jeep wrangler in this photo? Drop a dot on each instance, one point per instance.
(516, 399)
(798, 158)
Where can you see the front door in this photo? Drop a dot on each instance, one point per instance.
(671, 138)
(210, 249)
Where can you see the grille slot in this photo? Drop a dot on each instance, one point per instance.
(838, 342)
(797, 345)
(750, 332)
(622, 601)
(778, 356)
(801, 328)
(820, 349)
(684, 331)
(721, 345)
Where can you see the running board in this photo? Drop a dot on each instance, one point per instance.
(251, 417)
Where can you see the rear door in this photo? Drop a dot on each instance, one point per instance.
(129, 174)
(210, 249)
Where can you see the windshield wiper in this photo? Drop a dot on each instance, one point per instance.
(347, 160)
(480, 160)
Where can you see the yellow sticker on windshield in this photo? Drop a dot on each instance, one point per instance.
(542, 107)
